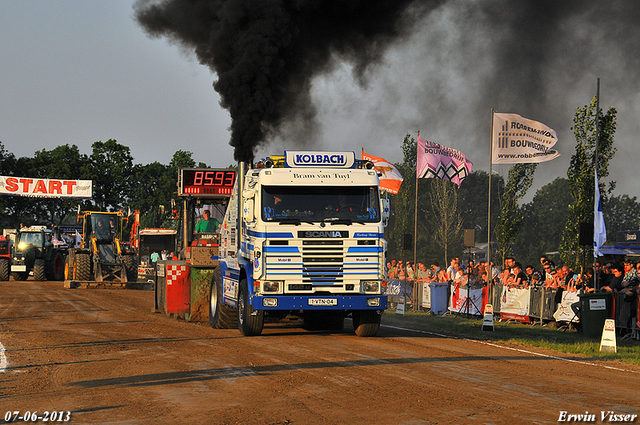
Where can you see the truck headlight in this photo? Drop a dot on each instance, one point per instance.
(370, 285)
(270, 302)
(271, 286)
(373, 302)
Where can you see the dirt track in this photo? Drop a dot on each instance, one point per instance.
(105, 357)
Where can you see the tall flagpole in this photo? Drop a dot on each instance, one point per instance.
(415, 238)
(595, 169)
(489, 270)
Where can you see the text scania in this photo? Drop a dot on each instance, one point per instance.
(327, 234)
(320, 159)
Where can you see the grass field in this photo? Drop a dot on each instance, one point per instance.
(568, 342)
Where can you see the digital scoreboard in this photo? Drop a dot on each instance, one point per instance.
(206, 182)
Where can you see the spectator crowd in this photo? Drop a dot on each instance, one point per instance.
(618, 278)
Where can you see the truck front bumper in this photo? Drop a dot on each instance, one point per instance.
(322, 302)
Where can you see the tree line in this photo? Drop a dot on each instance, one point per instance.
(118, 184)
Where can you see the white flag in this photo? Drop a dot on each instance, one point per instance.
(599, 230)
(519, 140)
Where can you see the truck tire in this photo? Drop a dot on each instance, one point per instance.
(39, 270)
(221, 316)
(56, 267)
(250, 321)
(5, 269)
(83, 267)
(366, 322)
(131, 267)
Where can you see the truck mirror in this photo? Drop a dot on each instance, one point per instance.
(384, 207)
(247, 211)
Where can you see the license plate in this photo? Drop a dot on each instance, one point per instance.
(19, 268)
(323, 301)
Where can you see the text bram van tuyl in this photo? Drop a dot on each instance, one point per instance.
(605, 416)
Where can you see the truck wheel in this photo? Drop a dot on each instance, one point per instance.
(56, 267)
(131, 267)
(221, 316)
(5, 269)
(249, 322)
(83, 267)
(39, 271)
(366, 322)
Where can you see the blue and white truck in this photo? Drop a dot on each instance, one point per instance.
(303, 235)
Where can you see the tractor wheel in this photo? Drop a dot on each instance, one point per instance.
(83, 267)
(5, 269)
(366, 322)
(221, 316)
(39, 270)
(56, 267)
(250, 321)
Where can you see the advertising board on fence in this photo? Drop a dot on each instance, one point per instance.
(564, 313)
(426, 295)
(458, 302)
(515, 304)
(45, 188)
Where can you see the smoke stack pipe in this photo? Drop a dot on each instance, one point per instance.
(242, 170)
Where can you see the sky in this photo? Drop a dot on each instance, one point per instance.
(76, 72)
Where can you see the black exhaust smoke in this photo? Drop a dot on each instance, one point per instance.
(265, 53)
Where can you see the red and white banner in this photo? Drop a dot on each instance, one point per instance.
(515, 304)
(391, 178)
(45, 188)
(458, 304)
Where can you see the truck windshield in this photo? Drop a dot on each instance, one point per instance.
(314, 204)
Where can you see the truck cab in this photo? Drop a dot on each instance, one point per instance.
(303, 235)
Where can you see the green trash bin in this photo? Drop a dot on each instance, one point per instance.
(595, 308)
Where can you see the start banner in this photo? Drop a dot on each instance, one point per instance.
(45, 188)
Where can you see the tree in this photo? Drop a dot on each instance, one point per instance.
(581, 172)
(111, 168)
(510, 221)
(447, 230)
(403, 203)
(62, 162)
(473, 205)
(620, 213)
(544, 221)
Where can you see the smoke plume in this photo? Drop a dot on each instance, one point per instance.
(266, 53)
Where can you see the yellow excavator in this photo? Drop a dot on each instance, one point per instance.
(102, 255)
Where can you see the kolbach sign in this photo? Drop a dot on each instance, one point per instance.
(45, 188)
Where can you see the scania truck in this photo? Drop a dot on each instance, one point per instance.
(303, 235)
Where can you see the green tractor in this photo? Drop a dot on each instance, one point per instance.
(38, 252)
(102, 255)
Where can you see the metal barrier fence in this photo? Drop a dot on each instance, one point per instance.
(541, 308)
